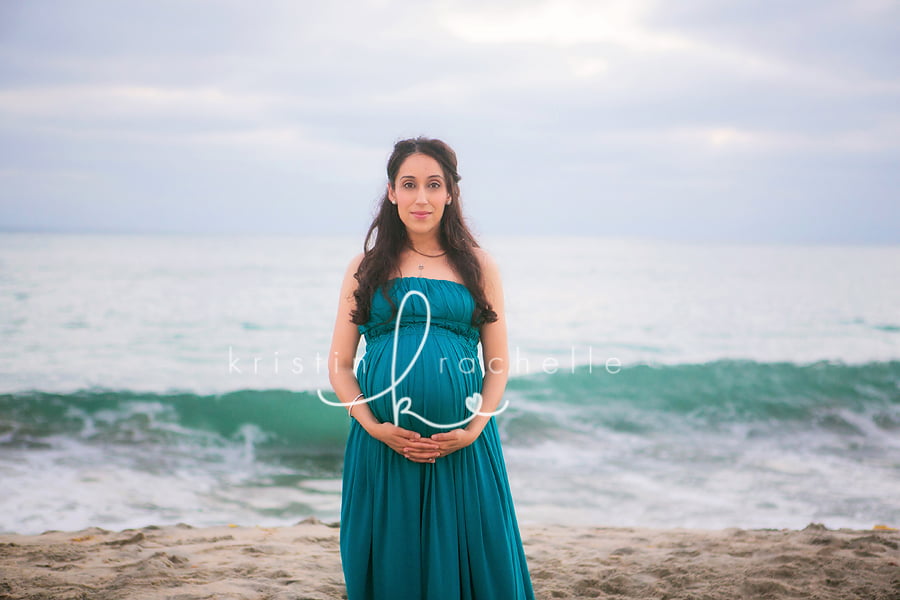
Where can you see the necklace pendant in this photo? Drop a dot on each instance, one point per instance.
(421, 266)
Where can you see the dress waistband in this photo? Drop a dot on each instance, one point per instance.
(455, 329)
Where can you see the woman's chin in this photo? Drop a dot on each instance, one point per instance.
(421, 227)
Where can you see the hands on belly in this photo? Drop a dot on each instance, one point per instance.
(410, 444)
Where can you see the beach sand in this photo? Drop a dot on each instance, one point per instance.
(303, 562)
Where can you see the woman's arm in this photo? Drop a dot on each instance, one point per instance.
(341, 374)
(344, 343)
(494, 347)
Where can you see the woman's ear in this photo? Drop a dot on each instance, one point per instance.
(391, 195)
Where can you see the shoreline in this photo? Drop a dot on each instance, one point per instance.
(302, 561)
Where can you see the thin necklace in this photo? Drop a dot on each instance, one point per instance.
(428, 255)
(421, 265)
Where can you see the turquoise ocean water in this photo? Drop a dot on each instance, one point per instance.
(154, 379)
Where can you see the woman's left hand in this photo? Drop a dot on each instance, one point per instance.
(453, 440)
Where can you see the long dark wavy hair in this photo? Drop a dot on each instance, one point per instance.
(387, 237)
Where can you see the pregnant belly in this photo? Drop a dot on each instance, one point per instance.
(437, 384)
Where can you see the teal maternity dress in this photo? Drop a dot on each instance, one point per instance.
(427, 531)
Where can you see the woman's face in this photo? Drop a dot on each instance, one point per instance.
(420, 193)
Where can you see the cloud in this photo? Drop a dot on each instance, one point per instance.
(661, 119)
(562, 22)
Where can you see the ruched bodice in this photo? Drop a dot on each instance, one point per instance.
(451, 309)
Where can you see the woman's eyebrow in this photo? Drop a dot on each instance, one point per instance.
(413, 177)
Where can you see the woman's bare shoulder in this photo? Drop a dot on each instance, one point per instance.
(488, 264)
(354, 263)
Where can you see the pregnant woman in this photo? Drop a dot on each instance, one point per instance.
(426, 510)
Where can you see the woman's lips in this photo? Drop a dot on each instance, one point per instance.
(420, 215)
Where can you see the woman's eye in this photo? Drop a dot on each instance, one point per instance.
(408, 184)
(435, 184)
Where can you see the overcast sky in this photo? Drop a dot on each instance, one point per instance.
(759, 121)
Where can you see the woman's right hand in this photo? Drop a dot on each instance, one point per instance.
(406, 442)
